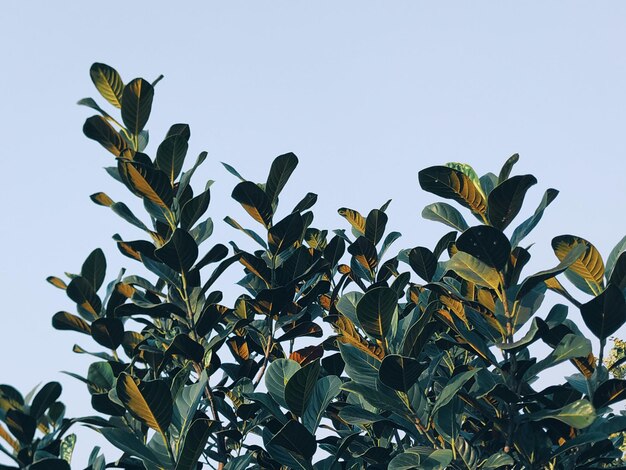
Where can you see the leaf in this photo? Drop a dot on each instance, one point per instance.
(531, 281)
(182, 345)
(280, 171)
(56, 282)
(506, 199)
(326, 389)
(453, 184)
(400, 372)
(80, 291)
(50, 464)
(21, 425)
(150, 402)
(285, 233)
(48, 394)
(587, 272)
(507, 167)
(446, 214)
(406, 460)
(307, 202)
(67, 321)
(423, 262)
(180, 252)
(375, 225)
(171, 154)
(334, 250)
(300, 386)
(497, 460)
(469, 172)
(126, 441)
(452, 388)
(487, 244)
(376, 312)
(609, 392)
(194, 209)
(618, 273)
(108, 83)
(294, 437)
(254, 201)
(149, 183)
(613, 256)
(364, 252)
(276, 377)
(108, 332)
(195, 441)
(94, 268)
(186, 404)
(529, 224)
(356, 220)
(360, 366)
(137, 104)
(97, 128)
(606, 313)
(578, 414)
(474, 270)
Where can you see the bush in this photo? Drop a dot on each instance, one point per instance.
(341, 354)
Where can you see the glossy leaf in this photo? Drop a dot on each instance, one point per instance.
(446, 214)
(300, 386)
(150, 402)
(423, 262)
(152, 184)
(474, 270)
(180, 252)
(364, 253)
(452, 388)
(529, 224)
(67, 321)
(452, 184)
(108, 332)
(137, 104)
(285, 233)
(609, 392)
(400, 372)
(294, 437)
(48, 394)
(194, 209)
(614, 255)
(280, 171)
(587, 272)
(108, 82)
(375, 225)
(487, 244)
(579, 414)
(94, 268)
(506, 199)
(171, 154)
(618, 272)
(255, 201)
(81, 292)
(97, 128)
(507, 167)
(195, 441)
(606, 313)
(276, 377)
(376, 312)
(325, 390)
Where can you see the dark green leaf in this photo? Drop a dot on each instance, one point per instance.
(618, 273)
(400, 372)
(507, 167)
(50, 464)
(446, 214)
(183, 345)
(255, 201)
(326, 389)
(279, 174)
(150, 183)
(609, 392)
(194, 209)
(171, 155)
(526, 227)
(376, 312)
(285, 233)
(452, 388)
(195, 441)
(294, 437)
(360, 366)
(108, 82)
(423, 262)
(126, 441)
(97, 128)
(300, 386)
(486, 243)
(453, 184)
(88, 303)
(67, 321)
(578, 414)
(364, 253)
(180, 252)
(21, 425)
(108, 332)
(94, 268)
(606, 313)
(334, 250)
(306, 203)
(150, 402)
(137, 104)
(506, 199)
(375, 225)
(48, 394)
(277, 376)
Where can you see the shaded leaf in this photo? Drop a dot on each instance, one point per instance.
(606, 313)
(609, 392)
(254, 201)
(529, 224)
(294, 437)
(375, 225)
(453, 184)
(137, 104)
(97, 128)
(400, 372)
(285, 233)
(171, 154)
(195, 441)
(180, 252)
(81, 292)
(423, 262)
(108, 332)
(507, 167)
(152, 184)
(487, 244)
(506, 199)
(94, 268)
(446, 214)
(300, 386)
(48, 394)
(276, 377)
(194, 209)
(326, 389)
(67, 321)
(150, 402)
(376, 312)
(364, 252)
(279, 174)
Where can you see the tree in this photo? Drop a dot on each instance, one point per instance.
(341, 354)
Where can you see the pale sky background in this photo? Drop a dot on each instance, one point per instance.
(365, 93)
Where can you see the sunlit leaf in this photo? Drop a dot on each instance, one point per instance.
(255, 201)
(137, 104)
(587, 272)
(108, 82)
(453, 184)
(150, 401)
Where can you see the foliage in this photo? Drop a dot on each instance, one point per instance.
(339, 355)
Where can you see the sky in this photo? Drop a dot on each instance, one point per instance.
(365, 93)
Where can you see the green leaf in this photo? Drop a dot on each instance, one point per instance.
(614, 255)
(474, 270)
(294, 437)
(487, 244)
(364, 253)
(375, 225)
(507, 167)
(152, 184)
(94, 268)
(195, 441)
(182, 345)
(529, 224)
(276, 377)
(377, 312)
(578, 414)
(360, 366)
(285, 233)
(67, 321)
(326, 389)
(400, 372)
(609, 392)
(48, 394)
(587, 272)
(606, 313)
(21, 425)
(300, 386)
(126, 441)
(254, 201)
(50, 464)
(162, 270)
(571, 346)
(497, 460)
(251, 233)
(406, 460)
(279, 174)
(334, 250)
(506, 199)
(108, 332)
(423, 262)
(97, 128)
(194, 209)
(354, 218)
(446, 214)
(171, 155)
(180, 252)
(453, 184)
(137, 104)
(469, 172)
(307, 202)
(150, 402)
(108, 83)
(88, 303)
(452, 388)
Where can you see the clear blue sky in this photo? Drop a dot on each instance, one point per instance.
(365, 93)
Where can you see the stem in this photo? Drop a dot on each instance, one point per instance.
(268, 349)
(168, 446)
